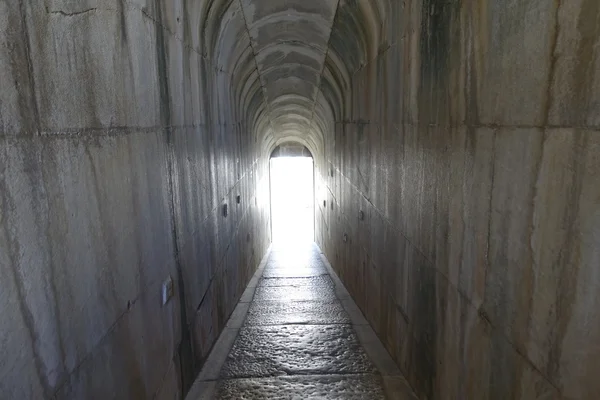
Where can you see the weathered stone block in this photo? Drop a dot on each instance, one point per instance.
(512, 54)
(95, 65)
(17, 104)
(575, 90)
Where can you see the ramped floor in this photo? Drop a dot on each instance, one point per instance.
(297, 334)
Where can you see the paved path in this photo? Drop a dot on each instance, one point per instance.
(297, 334)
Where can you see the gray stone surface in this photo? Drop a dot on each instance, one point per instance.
(16, 96)
(294, 259)
(352, 387)
(218, 355)
(296, 312)
(114, 161)
(397, 388)
(297, 349)
(313, 281)
(236, 320)
(261, 351)
(467, 133)
(294, 293)
(273, 272)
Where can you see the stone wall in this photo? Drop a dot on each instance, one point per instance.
(457, 148)
(120, 142)
(462, 192)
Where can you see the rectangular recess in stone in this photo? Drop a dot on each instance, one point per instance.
(263, 351)
(300, 312)
(348, 387)
(322, 280)
(293, 272)
(294, 293)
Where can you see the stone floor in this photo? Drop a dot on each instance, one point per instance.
(297, 334)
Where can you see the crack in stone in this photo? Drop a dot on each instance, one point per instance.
(72, 14)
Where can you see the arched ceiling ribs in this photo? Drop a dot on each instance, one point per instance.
(355, 41)
(304, 141)
(287, 65)
(337, 6)
(290, 41)
(266, 113)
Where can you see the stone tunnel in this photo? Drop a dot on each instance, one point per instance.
(456, 148)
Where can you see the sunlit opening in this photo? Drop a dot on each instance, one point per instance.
(292, 200)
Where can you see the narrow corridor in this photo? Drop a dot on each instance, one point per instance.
(297, 334)
(452, 151)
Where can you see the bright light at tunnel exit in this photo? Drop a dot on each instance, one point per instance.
(292, 200)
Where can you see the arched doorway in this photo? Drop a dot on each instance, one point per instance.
(292, 194)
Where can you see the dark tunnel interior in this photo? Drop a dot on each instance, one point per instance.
(456, 151)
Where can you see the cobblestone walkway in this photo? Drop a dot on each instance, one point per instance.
(297, 334)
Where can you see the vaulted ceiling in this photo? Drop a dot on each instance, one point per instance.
(289, 40)
(292, 60)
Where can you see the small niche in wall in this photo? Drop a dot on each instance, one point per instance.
(225, 211)
(238, 199)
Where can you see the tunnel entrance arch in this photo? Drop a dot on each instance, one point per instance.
(292, 194)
